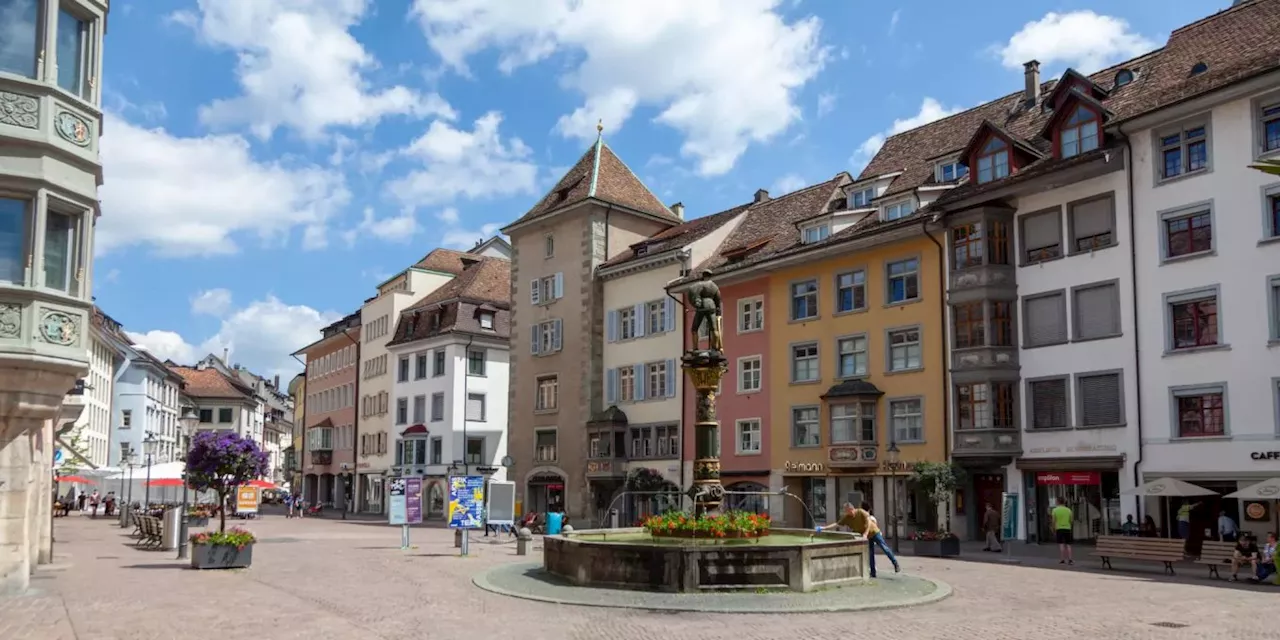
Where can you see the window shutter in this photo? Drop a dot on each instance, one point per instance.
(1100, 400)
(671, 378)
(641, 382)
(1097, 311)
(533, 348)
(1049, 404)
(611, 326)
(1091, 218)
(1046, 320)
(642, 320)
(555, 335)
(399, 452)
(559, 286)
(668, 314)
(1041, 230)
(535, 292)
(611, 387)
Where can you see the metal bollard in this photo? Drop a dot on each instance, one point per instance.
(457, 538)
(523, 538)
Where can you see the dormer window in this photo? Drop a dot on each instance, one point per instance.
(815, 233)
(1123, 77)
(899, 210)
(862, 199)
(950, 171)
(486, 320)
(993, 161)
(1079, 133)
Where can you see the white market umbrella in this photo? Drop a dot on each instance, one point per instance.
(1168, 488)
(162, 471)
(1267, 490)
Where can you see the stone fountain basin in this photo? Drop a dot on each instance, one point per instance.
(789, 559)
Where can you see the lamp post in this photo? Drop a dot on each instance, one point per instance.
(894, 454)
(188, 423)
(149, 448)
(126, 514)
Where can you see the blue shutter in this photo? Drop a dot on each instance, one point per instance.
(611, 387)
(642, 319)
(671, 378)
(611, 326)
(668, 314)
(559, 292)
(533, 348)
(642, 383)
(535, 292)
(555, 335)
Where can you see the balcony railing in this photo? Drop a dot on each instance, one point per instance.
(987, 443)
(322, 457)
(545, 453)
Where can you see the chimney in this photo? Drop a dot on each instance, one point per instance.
(226, 353)
(276, 382)
(678, 209)
(1032, 74)
(761, 196)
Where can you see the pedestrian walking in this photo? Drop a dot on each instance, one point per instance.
(991, 522)
(1061, 518)
(111, 503)
(94, 500)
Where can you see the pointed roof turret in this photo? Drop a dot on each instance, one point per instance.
(598, 175)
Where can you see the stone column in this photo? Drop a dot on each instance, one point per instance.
(705, 368)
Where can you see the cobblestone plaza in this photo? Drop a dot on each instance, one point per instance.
(320, 579)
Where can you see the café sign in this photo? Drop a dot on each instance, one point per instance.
(1265, 455)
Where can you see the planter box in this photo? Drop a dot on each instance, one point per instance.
(197, 521)
(936, 548)
(207, 556)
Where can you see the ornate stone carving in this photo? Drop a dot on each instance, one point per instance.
(72, 128)
(19, 110)
(10, 320)
(59, 328)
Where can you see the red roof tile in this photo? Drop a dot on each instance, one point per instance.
(210, 383)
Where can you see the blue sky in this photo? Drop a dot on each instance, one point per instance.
(268, 162)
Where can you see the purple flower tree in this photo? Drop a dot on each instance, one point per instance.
(222, 461)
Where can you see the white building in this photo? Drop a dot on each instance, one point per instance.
(1208, 271)
(450, 362)
(378, 318)
(95, 392)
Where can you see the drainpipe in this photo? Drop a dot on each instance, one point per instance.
(466, 375)
(1137, 326)
(946, 375)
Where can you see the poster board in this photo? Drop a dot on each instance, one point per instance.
(405, 501)
(466, 502)
(502, 503)
(1008, 516)
(246, 500)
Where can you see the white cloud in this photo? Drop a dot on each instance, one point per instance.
(826, 103)
(260, 337)
(1083, 40)
(191, 196)
(458, 236)
(397, 228)
(300, 67)
(213, 302)
(724, 73)
(787, 184)
(893, 20)
(472, 164)
(930, 110)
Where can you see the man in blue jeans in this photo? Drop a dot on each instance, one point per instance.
(860, 520)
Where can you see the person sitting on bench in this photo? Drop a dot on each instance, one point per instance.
(1246, 552)
(1267, 565)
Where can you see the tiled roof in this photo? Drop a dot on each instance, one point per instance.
(485, 285)
(678, 236)
(210, 383)
(446, 261)
(608, 179)
(1235, 44)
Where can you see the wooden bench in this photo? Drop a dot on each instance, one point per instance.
(1215, 554)
(149, 528)
(1163, 550)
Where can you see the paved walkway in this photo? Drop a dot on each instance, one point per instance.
(321, 579)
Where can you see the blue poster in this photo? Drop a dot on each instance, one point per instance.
(1009, 516)
(466, 502)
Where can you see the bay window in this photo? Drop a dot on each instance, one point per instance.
(20, 36)
(73, 53)
(14, 217)
(60, 241)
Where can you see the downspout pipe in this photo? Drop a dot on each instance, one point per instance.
(1137, 326)
(466, 376)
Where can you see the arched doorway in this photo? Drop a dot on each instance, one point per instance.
(740, 498)
(545, 492)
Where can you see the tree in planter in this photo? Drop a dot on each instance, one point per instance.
(939, 481)
(220, 463)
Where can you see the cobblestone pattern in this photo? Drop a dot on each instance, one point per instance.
(323, 579)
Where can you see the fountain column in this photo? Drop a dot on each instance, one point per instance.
(705, 368)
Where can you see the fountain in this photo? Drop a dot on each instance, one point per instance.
(756, 556)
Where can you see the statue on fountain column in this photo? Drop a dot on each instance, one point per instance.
(704, 299)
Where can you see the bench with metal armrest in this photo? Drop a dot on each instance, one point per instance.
(1162, 550)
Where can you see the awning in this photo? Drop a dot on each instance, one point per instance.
(1168, 488)
(1266, 490)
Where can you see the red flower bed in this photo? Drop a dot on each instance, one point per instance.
(735, 524)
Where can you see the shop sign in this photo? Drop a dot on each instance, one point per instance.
(1079, 448)
(852, 455)
(1069, 477)
(802, 467)
(1265, 455)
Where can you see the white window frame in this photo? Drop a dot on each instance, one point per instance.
(743, 371)
(905, 348)
(816, 424)
(626, 384)
(1187, 211)
(626, 323)
(1158, 141)
(547, 393)
(1261, 107)
(895, 430)
(1185, 391)
(856, 352)
(958, 170)
(1189, 295)
(744, 427)
(655, 374)
(898, 209)
(816, 357)
(811, 233)
(751, 314)
(816, 306)
(862, 198)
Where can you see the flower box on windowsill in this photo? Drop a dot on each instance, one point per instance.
(221, 556)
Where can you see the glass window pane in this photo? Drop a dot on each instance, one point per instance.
(13, 235)
(18, 37)
(59, 253)
(71, 41)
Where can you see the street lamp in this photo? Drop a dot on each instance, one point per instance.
(188, 423)
(126, 514)
(894, 454)
(149, 448)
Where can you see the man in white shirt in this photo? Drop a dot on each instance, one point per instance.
(1227, 527)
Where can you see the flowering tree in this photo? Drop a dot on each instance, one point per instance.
(222, 461)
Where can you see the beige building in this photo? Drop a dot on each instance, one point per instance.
(594, 213)
(379, 316)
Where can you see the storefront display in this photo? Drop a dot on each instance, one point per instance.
(814, 494)
(1092, 496)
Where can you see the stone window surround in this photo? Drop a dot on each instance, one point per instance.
(39, 203)
(1056, 212)
(46, 65)
(1029, 423)
(748, 303)
(1071, 250)
(866, 353)
(1178, 391)
(1077, 396)
(888, 348)
(737, 436)
(919, 274)
(1204, 119)
(791, 425)
(892, 429)
(1269, 235)
(1171, 298)
(791, 300)
(1162, 234)
(1273, 310)
(791, 361)
(1255, 116)
(738, 374)
(835, 289)
(1074, 330)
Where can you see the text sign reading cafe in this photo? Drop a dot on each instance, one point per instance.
(1265, 455)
